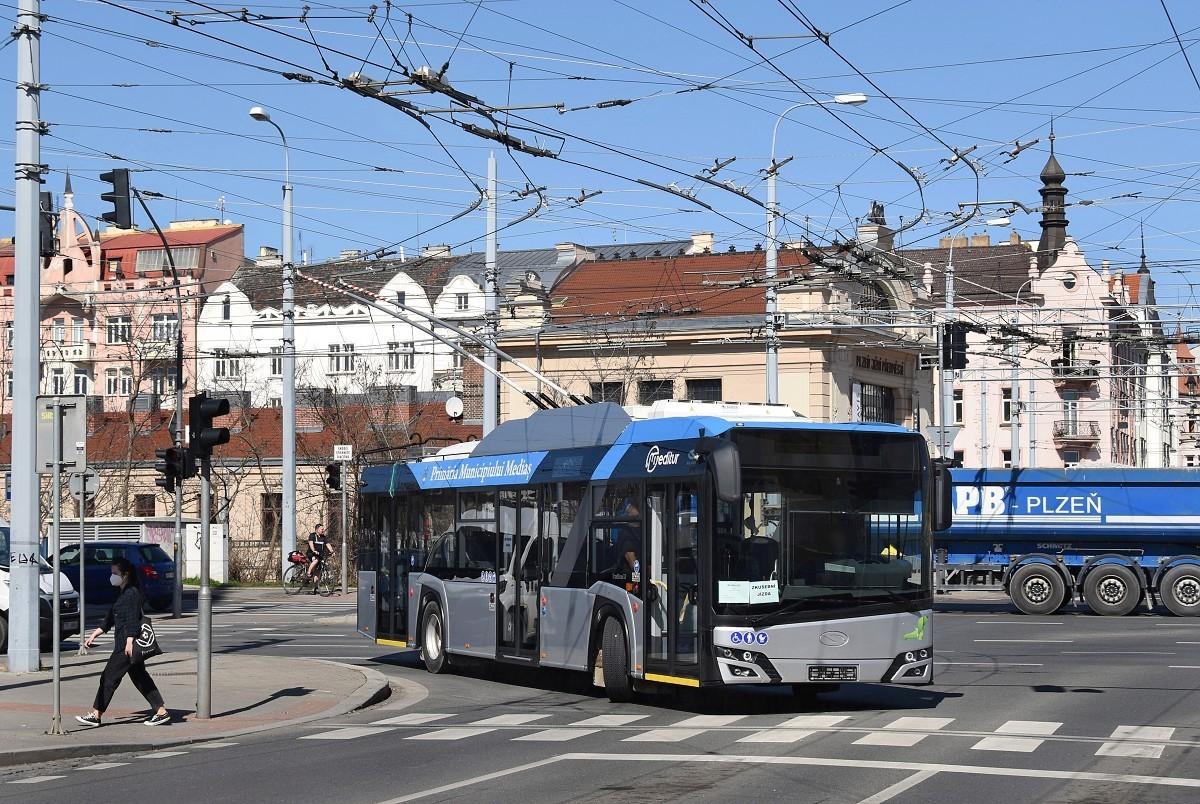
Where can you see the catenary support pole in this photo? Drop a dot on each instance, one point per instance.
(772, 274)
(289, 373)
(204, 604)
(55, 545)
(491, 390)
(1014, 406)
(82, 590)
(345, 531)
(24, 573)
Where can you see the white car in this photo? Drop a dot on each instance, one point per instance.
(69, 598)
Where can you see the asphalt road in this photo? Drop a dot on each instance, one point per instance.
(1072, 708)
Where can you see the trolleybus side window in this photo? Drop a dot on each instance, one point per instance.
(565, 521)
(617, 537)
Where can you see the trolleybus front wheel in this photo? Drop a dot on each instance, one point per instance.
(433, 644)
(615, 660)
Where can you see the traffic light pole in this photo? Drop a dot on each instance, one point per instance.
(345, 534)
(204, 604)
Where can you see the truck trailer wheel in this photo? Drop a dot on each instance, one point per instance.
(1037, 589)
(1112, 590)
(1180, 590)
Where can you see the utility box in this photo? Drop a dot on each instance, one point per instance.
(218, 541)
(366, 604)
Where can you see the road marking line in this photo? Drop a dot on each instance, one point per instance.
(410, 719)
(777, 736)
(214, 745)
(349, 733)
(1018, 744)
(893, 736)
(1183, 667)
(1014, 622)
(708, 721)
(1136, 750)
(36, 779)
(508, 720)
(1187, 643)
(449, 734)
(888, 793)
(684, 729)
(102, 766)
(1031, 641)
(813, 721)
(992, 664)
(1117, 653)
(161, 754)
(475, 780)
(556, 735)
(794, 729)
(610, 720)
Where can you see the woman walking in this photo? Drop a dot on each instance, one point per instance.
(126, 616)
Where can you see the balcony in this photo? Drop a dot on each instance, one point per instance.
(1073, 432)
(1075, 373)
(60, 352)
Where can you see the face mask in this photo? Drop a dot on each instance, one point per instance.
(115, 580)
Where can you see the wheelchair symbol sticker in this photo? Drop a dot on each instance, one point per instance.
(736, 637)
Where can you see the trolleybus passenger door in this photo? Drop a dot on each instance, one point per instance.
(671, 580)
(518, 576)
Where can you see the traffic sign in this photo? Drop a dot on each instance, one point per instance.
(943, 434)
(343, 452)
(85, 484)
(72, 433)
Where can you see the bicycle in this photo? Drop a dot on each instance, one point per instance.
(296, 579)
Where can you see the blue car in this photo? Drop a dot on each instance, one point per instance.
(155, 569)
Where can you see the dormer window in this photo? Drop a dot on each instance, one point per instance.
(462, 301)
(226, 309)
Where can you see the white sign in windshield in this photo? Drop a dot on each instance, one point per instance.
(747, 592)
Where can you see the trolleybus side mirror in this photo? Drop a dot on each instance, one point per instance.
(943, 490)
(726, 466)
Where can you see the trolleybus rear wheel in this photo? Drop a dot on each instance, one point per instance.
(1037, 589)
(433, 644)
(1111, 590)
(615, 658)
(1180, 590)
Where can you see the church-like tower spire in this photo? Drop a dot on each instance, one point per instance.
(1054, 216)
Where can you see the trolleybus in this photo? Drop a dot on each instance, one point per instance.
(696, 544)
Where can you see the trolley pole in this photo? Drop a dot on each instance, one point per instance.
(345, 533)
(491, 389)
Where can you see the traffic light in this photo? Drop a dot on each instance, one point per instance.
(46, 246)
(201, 412)
(119, 197)
(172, 465)
(333, 476)
(954, 345)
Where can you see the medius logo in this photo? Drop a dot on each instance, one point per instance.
(657, 457)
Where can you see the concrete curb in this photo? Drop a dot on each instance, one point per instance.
(374, 689)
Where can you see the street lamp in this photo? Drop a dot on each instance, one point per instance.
(849, 99)
(288, 536)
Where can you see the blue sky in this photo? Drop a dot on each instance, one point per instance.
(172, 100)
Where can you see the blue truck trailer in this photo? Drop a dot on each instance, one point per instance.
(1109, 538)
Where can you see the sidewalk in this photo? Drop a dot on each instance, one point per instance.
(249, 694)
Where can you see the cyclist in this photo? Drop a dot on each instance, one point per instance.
(318, 549)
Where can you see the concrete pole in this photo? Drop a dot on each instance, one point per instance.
(204, 604)
(946, 374)
(772, 291)
(1014, 405)
(289, 370)
(83, 500)
(26, 303)
(55, 547)
(491, 396)
(345, 531)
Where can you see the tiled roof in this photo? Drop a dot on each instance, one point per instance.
(176, 237)
(264, 287)
(983, 275)
(617, 289)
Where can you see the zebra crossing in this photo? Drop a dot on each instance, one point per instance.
(1012, 736)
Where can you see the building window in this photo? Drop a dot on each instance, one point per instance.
(8, 382)
(162, 381)
(143, 505)
(341, 358)
(76, 330)
(118, 382)
(83, 382)
(155, 259)
(704, 390)
(651, 391)
(959, 457)
(227, 366)
(401, 297)
(393, 356)
(8, 334)
(958, 406)
(608, 392)
(462, 301)
(1070, 458)
(164, 327)
(874, 297)
(1006, 405)
(119, 328)
(58, 381)
(1006, 458)
(114, 269)
(878, 403)
(58, 332)
(226, 309)
(270, 515)
(456, 360)
(1190, 461)
(276, 361)
(400, 356)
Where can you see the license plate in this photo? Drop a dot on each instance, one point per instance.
(832, 672)
(170, 576)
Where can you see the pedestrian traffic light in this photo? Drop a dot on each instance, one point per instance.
(46, 245)
(333, 476)
(201, 412)
(119, 197)
(172, 466)
(954, 345)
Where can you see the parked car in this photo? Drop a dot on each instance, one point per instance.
(155, 569)
(68, 598)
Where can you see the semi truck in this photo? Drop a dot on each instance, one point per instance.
(1111, 539)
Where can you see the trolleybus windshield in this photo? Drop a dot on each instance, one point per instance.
(827, 520)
